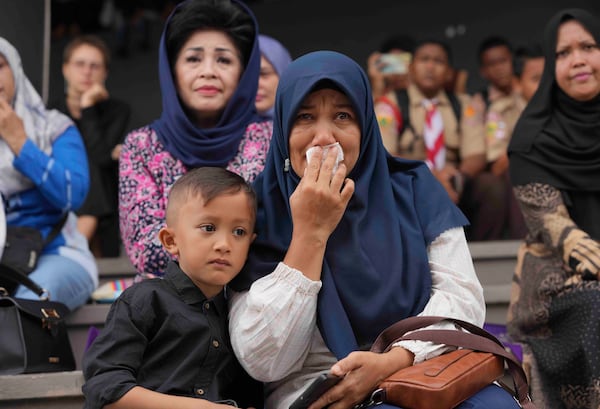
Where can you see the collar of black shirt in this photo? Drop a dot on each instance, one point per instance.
(190, 294)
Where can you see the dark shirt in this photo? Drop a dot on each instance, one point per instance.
(102, 126)
(166, 336)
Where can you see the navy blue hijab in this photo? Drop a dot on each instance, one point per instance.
(216, 146)
(375, 270)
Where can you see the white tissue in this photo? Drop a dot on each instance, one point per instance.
(340, 154)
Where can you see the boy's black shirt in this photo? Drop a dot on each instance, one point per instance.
(165, 335)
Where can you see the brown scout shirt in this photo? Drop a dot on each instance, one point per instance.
(500, 120)
(461, 142)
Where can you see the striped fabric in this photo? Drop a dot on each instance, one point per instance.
(433, 134)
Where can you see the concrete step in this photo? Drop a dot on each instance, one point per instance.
(114, 268)
(57, 390)
(495, 263)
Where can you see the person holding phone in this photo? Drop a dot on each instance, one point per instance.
(425, 122)
(388, 66)
(343, 252)
(102, 121)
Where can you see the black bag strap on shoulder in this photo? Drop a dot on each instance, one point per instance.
(56, 229)
(404, 106)
(485, 95)
(456, 107)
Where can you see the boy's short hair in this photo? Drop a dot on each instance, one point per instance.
(524, 53)
(492, 42)
(435, 41)
(209, 182)
(402, 42)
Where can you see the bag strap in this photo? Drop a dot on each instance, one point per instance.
(56, 229)
(18, 277)
(478, 339)
(404, 106)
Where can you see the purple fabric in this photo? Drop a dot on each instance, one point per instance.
(92, 334)
(500, 332)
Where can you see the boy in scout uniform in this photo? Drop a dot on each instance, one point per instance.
(504, 104)
(461, 125)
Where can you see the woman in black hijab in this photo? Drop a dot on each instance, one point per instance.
(555, 168)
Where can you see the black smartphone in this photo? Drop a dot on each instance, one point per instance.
(314, 391)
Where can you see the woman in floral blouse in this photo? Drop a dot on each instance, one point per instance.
(209, 63)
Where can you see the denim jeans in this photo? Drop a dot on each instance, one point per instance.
(66, 280)
(490, 397)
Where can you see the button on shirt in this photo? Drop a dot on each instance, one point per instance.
(165, 335)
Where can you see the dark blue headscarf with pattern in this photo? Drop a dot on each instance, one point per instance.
(375, 270)
(216, 146)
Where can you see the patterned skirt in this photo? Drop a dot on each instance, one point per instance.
(556, 316)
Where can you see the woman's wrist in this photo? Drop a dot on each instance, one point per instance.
(16, 142)
(400, 358)
(306, 253)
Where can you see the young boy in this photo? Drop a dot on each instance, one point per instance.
(440, 128)
(165, 343)
(529, 67)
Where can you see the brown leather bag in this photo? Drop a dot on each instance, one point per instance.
(445, 381)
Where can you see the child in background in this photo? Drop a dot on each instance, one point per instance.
(166, 342)
(529, 66)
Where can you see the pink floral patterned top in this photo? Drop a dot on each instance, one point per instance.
(146, 173)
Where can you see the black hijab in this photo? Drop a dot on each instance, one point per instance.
(557, 139)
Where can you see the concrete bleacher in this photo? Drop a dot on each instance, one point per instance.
(494, 263)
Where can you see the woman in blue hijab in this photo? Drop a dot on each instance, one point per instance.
(273, 61)
(208, 65)
(344, 251)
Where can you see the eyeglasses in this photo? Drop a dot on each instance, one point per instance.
(81, 64)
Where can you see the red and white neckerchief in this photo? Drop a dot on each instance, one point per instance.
(433, 134)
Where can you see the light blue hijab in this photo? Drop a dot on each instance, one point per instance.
(278, 56)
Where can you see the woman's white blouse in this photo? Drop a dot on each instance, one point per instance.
(273, 325)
